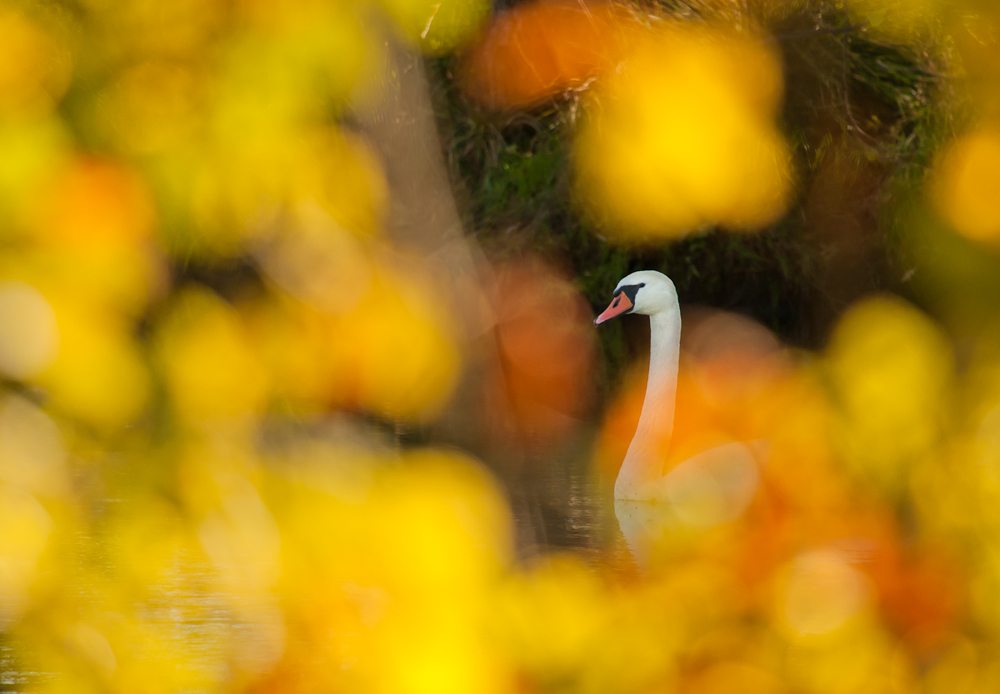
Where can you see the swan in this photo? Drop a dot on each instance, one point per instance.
(710, 488)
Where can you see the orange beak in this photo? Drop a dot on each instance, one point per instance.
(620, 305)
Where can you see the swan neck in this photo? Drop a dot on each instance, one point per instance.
(644, 460)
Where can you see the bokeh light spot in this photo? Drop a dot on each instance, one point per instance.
(683, 137)
(968, 178)
(823, 591)
(29, 335)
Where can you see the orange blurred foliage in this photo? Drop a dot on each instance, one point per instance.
(540, 49)
(94, 202)
(922, 593)
(546, 340)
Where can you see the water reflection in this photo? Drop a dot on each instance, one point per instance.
(641, 524)
(707, 490)
(566, 508)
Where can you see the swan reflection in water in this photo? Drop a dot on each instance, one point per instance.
(704, 491)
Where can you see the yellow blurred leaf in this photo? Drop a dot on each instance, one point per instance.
(891, 370)
(34, 69)
(822, 592)
(683, 136)
(29, 335)
(153, 107)
(967, 178)
(100, 375)
(24, 530)
(439, 26)
(553, 617)
(32, 454)
(212, 370)
(33, 151)
(395, 352)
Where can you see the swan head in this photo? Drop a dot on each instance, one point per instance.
(646, 292)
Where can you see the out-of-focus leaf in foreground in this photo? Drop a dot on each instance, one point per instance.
(683, 136)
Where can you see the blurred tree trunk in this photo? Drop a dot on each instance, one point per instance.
(398, 121)
(423, 223)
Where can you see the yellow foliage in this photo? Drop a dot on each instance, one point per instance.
(445, 496)
(25, 527)
(152, 541)
(396, 566)
(683, 136)
(319, 262)
(94, 203)
(292, 341)
(394, 351)
(99, 375)
(32, 149)
(111, 646)
(864, 660)
(29, 336)
(438, 26)
(553, 617)
(178, 30)
(891, 370)
(34, 68)
(967, 178)
(238, 193)
(153, 107)
(736, 676)
(32, 454)
(344, 178)
(212, 371)
(821, 593)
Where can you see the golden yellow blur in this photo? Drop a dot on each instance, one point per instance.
(26, 528)
(32, 150)
(968, 177)
(99, 375)
(438, 26)
(364, 347)
(210, 367)
(683, 136)
(822, 593)
(679, 129)
(36, 68)
(891, 372)
(29, 337)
